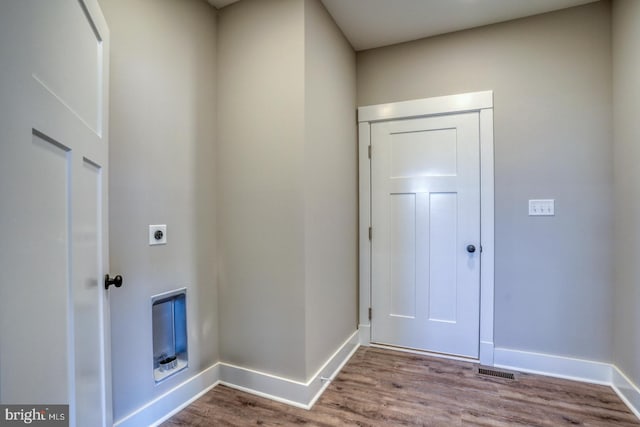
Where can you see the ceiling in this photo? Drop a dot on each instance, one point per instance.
(375, 23)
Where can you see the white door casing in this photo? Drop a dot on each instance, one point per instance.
(425, 199)
(380, 119)
(54, 325)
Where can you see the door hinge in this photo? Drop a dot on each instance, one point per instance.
(369, 313)
(370, 233)
(369, 151)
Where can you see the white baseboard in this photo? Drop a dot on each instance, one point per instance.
(295, 393)
(305, 394)
(626, 390)
(173, 401)
(332, 367)
(553, 366)
(571, 369)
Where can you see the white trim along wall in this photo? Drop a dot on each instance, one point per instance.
(300, 394)
(304, 395)
(571, 369)
(481, 102)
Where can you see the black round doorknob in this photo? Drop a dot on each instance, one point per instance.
(471, 249)
(116, 281)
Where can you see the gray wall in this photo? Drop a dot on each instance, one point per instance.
(162, 172)
(551, 76)
(261, 193)
(331, 195)
(626, 105)
(286, 186)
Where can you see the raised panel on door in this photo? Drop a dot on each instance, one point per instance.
(53, 171)
(67, 58)
(425, 211)
(442, 259)
(88, 293)
(36, 275)
(402, 265)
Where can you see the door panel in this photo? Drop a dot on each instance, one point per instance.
(403, 255)
(425, 211)
(54, 346)
(426, 153)
(68, 32)
(443, 283)
(35, 286)
(88, 292)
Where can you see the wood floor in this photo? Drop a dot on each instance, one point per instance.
(386, 388)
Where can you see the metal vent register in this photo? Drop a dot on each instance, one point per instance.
(494, 373)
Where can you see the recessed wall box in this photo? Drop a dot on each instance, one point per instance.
(169, 322)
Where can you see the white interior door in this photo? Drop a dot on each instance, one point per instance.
(54, 339)
(425, 213)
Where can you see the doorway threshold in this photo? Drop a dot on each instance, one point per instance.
(424, 352)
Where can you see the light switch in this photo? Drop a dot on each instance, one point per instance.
(544, 207)
(157, 234)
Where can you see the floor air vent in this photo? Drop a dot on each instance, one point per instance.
(494, 373)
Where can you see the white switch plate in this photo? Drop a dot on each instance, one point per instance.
(544, 207)
(162, 233)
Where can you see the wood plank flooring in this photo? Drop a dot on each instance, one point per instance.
(387, 388)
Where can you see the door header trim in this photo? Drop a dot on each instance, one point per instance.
(463, 102)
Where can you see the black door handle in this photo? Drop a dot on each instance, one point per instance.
(471, 249)
(116, 281)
